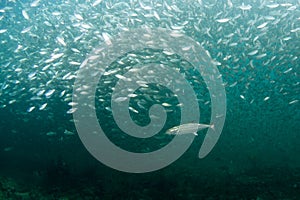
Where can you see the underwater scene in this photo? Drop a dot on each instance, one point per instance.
(149, 99)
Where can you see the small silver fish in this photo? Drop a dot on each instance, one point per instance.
(188, 128)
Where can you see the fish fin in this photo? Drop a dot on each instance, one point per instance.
(195, 133)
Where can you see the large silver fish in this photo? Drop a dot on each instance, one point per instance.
(188, 128)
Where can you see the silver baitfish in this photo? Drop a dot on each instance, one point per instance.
(188, 128)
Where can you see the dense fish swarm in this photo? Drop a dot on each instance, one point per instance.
(255, 46)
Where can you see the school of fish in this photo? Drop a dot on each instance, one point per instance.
(255, 46)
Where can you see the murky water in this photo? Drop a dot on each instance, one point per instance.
(255, 46)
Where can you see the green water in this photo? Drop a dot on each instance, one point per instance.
(254, 44)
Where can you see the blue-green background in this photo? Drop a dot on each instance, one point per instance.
(257, 156)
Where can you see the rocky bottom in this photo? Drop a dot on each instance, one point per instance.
(245, 186)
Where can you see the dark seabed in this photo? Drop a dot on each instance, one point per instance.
(254, 44)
